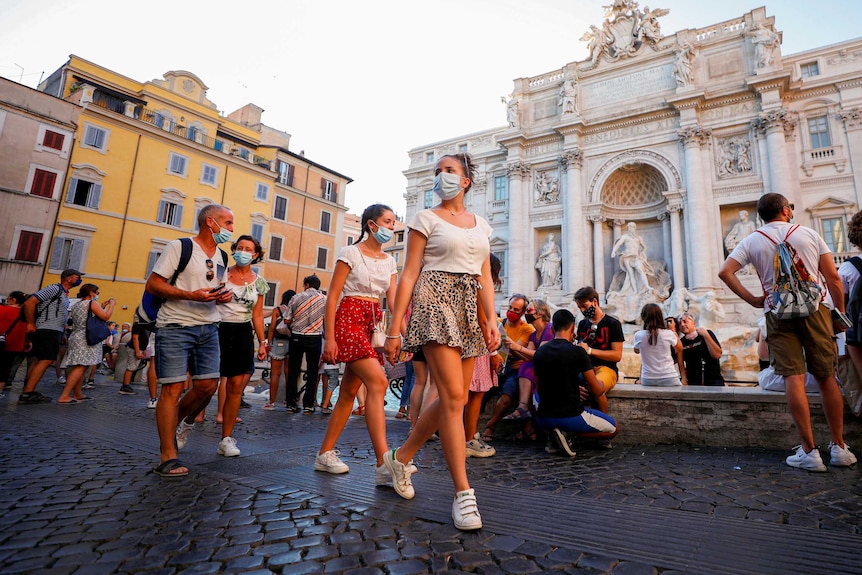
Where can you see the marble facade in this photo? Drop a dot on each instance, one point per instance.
(619, 138)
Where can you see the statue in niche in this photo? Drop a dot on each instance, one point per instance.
(513, 111)
(765, 42)
(568, 97)
(743, 227)
(639, 280)
(549, 264)
(547, 188)
(683, 66)
(734, 156)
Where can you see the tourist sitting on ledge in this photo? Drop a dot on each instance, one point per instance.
(558, 365)
(657, 366)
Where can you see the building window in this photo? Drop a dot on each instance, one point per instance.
(270, 298)
(834, 235)
(329, 190)
(257, 232)
(53, 140)
(262, 192)
(84, 193)
(43, 183)
(397, 256)
(178, 165)
(322, 258)
(325, 221)
(501, 255)
(29, 246)
(170, 213)
(67, 253)
(279, 208)
(818, 130)
(429, 199)
(209, 174)
(810, 70)
(399, 237)
(350, 240)
(95, 137)
(501, 188)
(285, 173)
(429, 157)
(462, 148)
(275, 245)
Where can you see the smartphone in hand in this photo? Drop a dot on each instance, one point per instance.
(218, 288)
(841, 319)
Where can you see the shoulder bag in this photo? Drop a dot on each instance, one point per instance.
(97, 330)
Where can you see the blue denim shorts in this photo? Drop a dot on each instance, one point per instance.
(278, 351)
(187, 349)
(509, 384)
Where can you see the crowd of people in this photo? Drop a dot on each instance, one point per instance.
(548, 372)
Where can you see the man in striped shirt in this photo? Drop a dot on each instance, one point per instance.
(305, 318)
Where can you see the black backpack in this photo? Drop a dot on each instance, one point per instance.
(854, 305)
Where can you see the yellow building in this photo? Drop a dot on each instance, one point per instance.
(150, 155)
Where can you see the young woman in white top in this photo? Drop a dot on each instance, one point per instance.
(240, 317)
(658, 368)
(363, 274)
(447, 269)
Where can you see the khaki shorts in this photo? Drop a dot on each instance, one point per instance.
(795, 343)
(607, 376)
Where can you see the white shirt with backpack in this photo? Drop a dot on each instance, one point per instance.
(182, 311)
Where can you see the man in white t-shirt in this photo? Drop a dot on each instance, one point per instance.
(798, 343)
(187, 338)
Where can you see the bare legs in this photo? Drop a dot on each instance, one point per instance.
(171, 409)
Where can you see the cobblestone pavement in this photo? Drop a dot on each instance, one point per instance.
(78, 498)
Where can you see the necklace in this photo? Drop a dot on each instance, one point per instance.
(454, 213)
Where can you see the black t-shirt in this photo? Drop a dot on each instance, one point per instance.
(558, 365)
(143, 337)
(608, 331)
(700, 367)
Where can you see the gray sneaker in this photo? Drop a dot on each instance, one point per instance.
(227, 447)
(565, 441)
(127, 390)
(478, 448)
(841, 456)
(183, 430)
(329, 462)
(400, 475)
(810, 461)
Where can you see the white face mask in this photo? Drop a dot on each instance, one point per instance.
(447, 185)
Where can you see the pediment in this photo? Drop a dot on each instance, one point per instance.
(831, 203)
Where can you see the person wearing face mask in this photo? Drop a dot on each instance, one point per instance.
(46, 313)
(241, 322)
(601, 336)
(363, 274)
(81, 356)
(701, 351)
(447, 275)
(187, 338)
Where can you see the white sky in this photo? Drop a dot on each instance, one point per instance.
(358, 84)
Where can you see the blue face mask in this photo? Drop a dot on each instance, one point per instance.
(222, 236)
(447, 185)
(382, 234)
(77, 282)
(242, 258)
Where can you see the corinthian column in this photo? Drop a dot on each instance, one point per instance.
(676, 248)
(598, 255)
(519, 202)
(703, 264)
(779, 126)
(574, 239)
(852, 119)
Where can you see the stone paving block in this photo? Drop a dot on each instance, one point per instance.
(207, 568)
(416, 552)
(270, 550)
(190, 557)
(323, 552)
(244, 563)
(469, 560)
(280, 560)
(521, 565)
(303, 568)
(347, 537)
(359, 547)
(505, 542)
(285, 534)
(250, 538)
(633, 568)
(231, 552)
(301, 542)
(534, 549)
(316, 530)
(32, 565)
(103, 567)
(339, 564)
(600, 562)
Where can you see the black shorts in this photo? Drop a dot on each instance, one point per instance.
(236, 343)
(46, 344)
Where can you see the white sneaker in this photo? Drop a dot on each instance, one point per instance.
(329, 462)
(564, 440)
(808, 461)
(227, 447)
(841, 456)
(152, 403)
(383, 477)
(183, 430)
(61, 379)
(400, 475)
(478, 448)
(465, 512)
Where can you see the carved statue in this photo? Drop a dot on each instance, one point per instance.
(547, 188)
(568, 97)
(734, 156)
(765, 42)
(650, 28)
(513, 111)
(677, 303)
(710, 310)
(683, 66)
(740, 229)
(633, 261)
(549, 264)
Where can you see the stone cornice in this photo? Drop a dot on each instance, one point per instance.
(833, 181)
(655, 117)
(727, 101)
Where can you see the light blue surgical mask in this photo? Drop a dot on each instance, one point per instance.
(224, 235)
(447, 185)
(242, 258)
(382, 234)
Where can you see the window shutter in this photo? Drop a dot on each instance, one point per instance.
(151, 263)
(70, 193)
(334, 197)
(290, 174)
(57, 253)
(76, 257)
(160, 217)
(178, 216)
(95, 196)
(28, 246)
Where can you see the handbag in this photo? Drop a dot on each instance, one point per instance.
(97, 330)
(851, 384)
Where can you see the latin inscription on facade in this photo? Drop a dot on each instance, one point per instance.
(725, 65)
(629, 131)
(632, 86)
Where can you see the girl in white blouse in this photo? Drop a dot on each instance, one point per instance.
(447, 274)
(363, 274)
(658, 367)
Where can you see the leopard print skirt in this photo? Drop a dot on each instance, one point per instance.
(444, 311)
